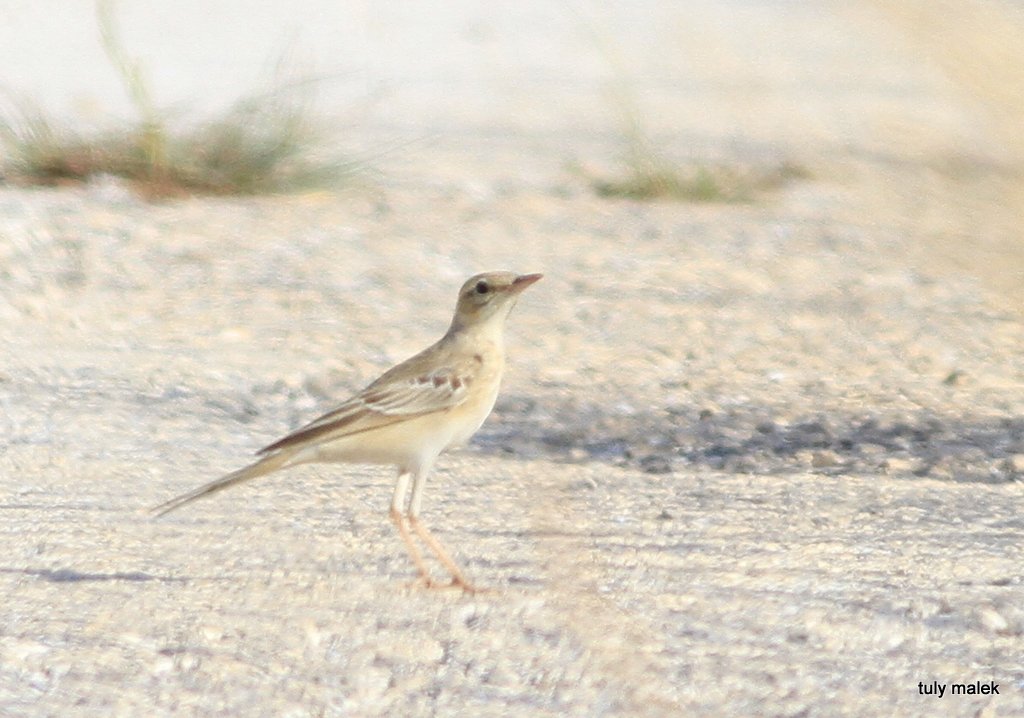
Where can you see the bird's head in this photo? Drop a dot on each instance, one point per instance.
(489, 296)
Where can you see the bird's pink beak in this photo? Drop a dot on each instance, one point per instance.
(523, 281)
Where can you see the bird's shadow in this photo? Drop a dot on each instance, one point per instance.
(754, 438)
(759, 439)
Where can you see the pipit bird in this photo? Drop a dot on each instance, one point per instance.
(413, 412)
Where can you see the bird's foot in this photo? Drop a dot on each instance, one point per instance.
(428, 583)
(466, 586)
(422, 581)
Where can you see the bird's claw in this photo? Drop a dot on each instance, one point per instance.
(426, 582)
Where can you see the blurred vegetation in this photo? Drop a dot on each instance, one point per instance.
(646, 171)
(650, 177)
(648, 174)
(268, 141)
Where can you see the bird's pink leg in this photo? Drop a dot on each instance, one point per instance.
(428, 538)
(397, 516)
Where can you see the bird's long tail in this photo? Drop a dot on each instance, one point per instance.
(261, 467)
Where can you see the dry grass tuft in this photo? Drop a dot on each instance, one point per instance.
(267, 142)
(654, 179)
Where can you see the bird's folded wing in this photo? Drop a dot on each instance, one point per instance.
(389, 400)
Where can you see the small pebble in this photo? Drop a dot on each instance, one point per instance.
(655, 464)
(895, 465)
(992, 620)
(1015, 464)
(824, 459)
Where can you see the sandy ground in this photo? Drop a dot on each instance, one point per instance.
(751, 459)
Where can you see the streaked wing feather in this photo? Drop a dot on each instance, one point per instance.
(387, 401)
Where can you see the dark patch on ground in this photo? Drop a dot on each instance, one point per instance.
(766, 440)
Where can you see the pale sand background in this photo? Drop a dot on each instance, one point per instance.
(750, 459)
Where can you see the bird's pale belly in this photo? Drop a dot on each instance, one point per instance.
(409, 443)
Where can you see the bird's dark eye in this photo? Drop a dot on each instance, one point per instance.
(482, 287)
